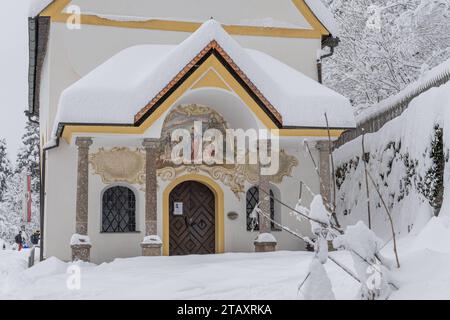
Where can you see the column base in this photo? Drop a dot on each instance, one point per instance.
(265, 242)
(151, 246)
(151, 250)
(81, 252)
(265, 246)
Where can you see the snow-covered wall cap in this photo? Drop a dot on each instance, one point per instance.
(324, 15)
(78, 239)
(427, 80)
(117, 90)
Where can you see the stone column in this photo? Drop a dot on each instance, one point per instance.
(264, 203)
(82, 251)
(265, 241)
(151, 246)
(324, 170)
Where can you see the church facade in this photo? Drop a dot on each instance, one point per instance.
(165, 123)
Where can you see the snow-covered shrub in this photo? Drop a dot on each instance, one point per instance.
(317, 285)
(320, 227)
(371, 267)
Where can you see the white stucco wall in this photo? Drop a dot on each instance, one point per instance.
(61, 198)
(61, 182)
(71, 55)
(235, 12)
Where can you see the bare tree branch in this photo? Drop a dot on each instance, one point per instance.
(390, 218)
(367, 181)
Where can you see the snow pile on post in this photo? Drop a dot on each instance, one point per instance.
(153, 239)
(78, 239)
(266, 237)
(118, 89)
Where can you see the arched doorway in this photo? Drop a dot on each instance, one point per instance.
(192, 219)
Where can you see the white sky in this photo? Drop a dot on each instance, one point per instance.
(13, 71)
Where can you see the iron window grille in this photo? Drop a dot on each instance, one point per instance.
(252, 199)
(119, 210)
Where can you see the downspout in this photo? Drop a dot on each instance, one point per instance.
(42, 172)
(332, 43)
(38, 32)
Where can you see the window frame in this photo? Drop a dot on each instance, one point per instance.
(275, 193)
(136, 206)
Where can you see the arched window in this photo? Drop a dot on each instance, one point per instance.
(119, 210)
(252, 199)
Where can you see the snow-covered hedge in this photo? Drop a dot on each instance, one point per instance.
(407, 158)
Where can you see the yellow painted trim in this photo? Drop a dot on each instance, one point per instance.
(55, 11)
(219, 214)
(320, 133)
(211, 79)
(212, 63)
(309, 15)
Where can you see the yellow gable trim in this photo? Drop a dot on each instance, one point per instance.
(56, 8)
(207, 75)
(311, 17)
(211, 63)
(212, 80)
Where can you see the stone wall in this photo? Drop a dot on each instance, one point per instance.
(392, 110)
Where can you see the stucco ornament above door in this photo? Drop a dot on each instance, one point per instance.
(119, 165)
(126, 165)
(233, 176)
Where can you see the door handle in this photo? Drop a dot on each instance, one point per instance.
(189, 221)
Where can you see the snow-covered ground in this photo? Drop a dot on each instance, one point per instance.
(227, 276)
(425, 262)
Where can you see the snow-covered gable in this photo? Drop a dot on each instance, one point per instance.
(116, 91)
(324, 15)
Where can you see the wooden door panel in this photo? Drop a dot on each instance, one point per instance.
(194, 231)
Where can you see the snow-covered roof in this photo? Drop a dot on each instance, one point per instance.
(268, 13)
(324, 15)
(36, 6)
(116, 91)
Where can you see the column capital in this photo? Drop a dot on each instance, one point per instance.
(323, 145)
(151, 143)
(83, 142)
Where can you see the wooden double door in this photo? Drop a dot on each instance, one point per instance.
(191, 219)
